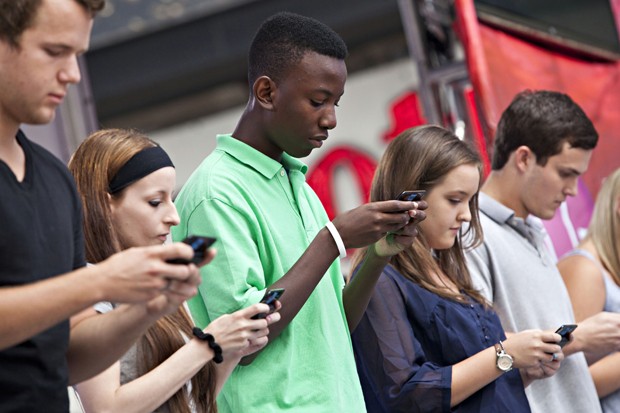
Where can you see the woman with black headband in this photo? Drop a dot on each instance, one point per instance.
(126, 181)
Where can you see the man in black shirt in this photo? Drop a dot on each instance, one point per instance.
(43, 278)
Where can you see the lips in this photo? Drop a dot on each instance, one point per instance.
(57, 97)
(317, 141)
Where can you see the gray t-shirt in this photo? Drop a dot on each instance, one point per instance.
(515, 271)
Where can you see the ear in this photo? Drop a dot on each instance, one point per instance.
(524, 158)
(110, 199)
(264, 89)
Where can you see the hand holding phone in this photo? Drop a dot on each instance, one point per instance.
(200, 245)
(565, 330)
(269, 298)
(416, 195)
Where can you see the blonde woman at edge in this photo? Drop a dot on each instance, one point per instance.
(126, 182)
(591, 273)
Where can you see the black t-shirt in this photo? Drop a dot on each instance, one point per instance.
(40, 237)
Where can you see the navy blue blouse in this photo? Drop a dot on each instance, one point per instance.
(408, 340)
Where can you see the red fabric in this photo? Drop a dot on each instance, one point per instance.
(501, 65)
(405, 113)
(321, 175)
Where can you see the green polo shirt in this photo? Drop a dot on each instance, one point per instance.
(265, 216)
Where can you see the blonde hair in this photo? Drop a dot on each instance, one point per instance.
(604, 229)
(94, 164)
(420, 158)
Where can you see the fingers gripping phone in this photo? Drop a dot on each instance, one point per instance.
(200, 245)
(269, 298)
(416, 195)
(565, 330)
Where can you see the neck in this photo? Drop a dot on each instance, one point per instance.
(8, 130)
(251, 131)
(11, 153)
(501, 187)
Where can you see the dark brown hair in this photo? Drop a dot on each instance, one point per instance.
(420, 158)
(542, 120)
(18, 15)
(94, 164)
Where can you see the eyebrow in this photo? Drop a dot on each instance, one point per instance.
(571, 171)
(326, 92)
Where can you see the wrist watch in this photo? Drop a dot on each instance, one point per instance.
(504, 361)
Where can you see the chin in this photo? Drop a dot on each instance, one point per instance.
(546, 215)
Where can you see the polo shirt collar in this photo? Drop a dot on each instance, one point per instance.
(532, 227)
(257, 160)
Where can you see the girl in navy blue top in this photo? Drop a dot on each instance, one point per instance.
(428, 341)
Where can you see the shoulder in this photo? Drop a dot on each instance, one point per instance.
(53, 171)
(575, 267)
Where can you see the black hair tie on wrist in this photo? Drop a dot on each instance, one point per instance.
(217, 350)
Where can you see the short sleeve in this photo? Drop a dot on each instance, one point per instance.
(235, 278)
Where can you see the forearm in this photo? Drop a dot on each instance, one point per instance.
(472, 374)
(30, 309)
(223, 372)
(606, 375)
(99, 341)
(359, 290)
(104, 393)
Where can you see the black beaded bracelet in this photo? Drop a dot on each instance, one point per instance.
(217, 350)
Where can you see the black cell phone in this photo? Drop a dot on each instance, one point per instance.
(200, 245)
(564, 331)
(269, 298)
(416, 195)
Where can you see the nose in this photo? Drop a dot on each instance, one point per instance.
(328, 118)
(172, 217)
(70, 72)
(465, 214)
(572, 188)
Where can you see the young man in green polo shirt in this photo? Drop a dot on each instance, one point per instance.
(251, 194)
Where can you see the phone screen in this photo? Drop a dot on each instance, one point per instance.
(565, 331)
(200, 245)
(269, 298)
(411, 195)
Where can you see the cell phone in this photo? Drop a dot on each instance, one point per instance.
(200, 245)
(269, 298)
(564, 331)
(416, 195)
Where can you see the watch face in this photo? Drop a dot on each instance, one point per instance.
(504, 362)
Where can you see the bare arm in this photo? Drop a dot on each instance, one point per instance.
(598, 333)
(233, 332)
(299, 282)
(586, 288)
(29, 309)
(359, 290)
(528, 349)
(585, 285)
(606, 375)
(97, 342)
(104, 393)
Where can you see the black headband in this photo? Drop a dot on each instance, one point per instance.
(140, 165)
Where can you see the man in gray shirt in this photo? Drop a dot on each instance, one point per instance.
(543, 143)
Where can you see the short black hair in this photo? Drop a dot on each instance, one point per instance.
(282, 40)
(542, 120)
